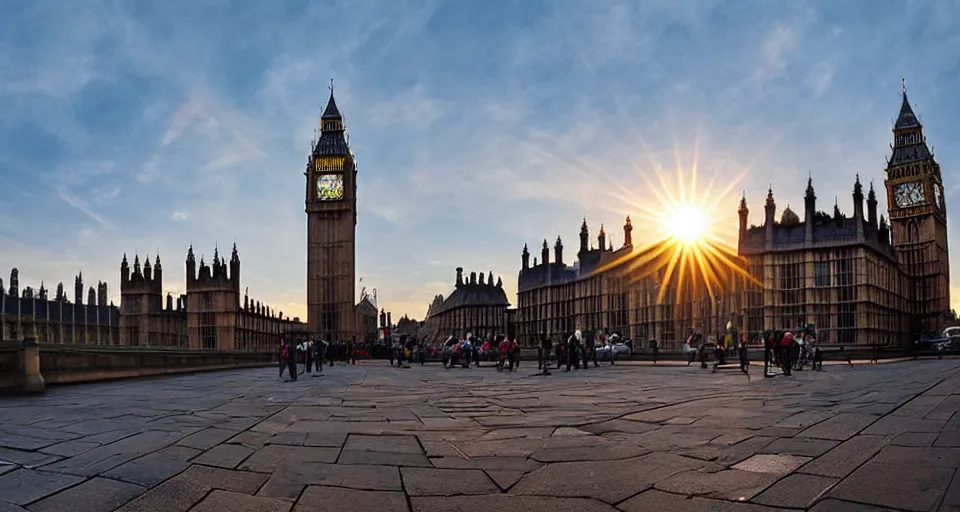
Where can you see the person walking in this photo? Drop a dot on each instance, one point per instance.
(546, 345)
(308, 357)
(282, 356)
(590, 352)
(742, 352)
(290, 355)
(573, 350)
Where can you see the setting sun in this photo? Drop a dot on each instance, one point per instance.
(687, 223)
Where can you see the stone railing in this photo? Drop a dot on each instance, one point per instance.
(20, 366)
(26, 366)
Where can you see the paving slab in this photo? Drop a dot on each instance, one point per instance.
(27, 485)
(729, 484)
(507, 503)
(369, 437)
(218, 501)
(94, 495)
(325, 498)
(795, 491)
(446, 482)
(659, 501)
(920, 488)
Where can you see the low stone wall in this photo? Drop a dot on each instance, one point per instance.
(63, 364)
(26, 366)
(11, 365)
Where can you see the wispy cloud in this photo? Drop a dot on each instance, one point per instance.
(476, 128)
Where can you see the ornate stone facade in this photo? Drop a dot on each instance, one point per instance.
(475, 305)
(210, 314)
(837, 272)
(858, 278)
(918, 219)
(599, 292)
(331, 207)
(32, 312)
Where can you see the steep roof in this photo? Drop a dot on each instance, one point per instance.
(472, 294)
(333, 140)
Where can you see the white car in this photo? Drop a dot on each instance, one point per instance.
(620, 349)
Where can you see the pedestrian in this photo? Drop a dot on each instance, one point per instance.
(546, 345)
(308, 357)
(290, 356)
(702, 354)
(744, 361)
(786, 347)
(590, 351)
(282, 356)
(502, 348)
(573, 350)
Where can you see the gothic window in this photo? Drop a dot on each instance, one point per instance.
(821, 270)
(912, 232)
(208, 330)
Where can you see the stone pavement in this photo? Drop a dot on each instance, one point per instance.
(370, 437)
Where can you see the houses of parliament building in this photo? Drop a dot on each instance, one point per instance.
(860, 278)
(210, 315)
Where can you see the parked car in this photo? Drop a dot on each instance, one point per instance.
(932, 342)
(619, 348)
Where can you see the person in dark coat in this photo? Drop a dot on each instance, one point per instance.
(308, 357)
(290, 354)
(546, 345)
(590, 351)
(573, 350)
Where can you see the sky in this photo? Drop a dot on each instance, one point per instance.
(143, 127)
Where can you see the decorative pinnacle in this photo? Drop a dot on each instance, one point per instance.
(903, 85)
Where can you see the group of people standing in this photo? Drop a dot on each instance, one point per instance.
(312, 354)
(787, 350)
(470, 351)
(575, 351)
(405, 350)
(720, 349)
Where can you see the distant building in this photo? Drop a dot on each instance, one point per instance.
(474, 306)
(331, 209)
(32, 313)
(366, 322)
(210, 314)
(839, 273)
(858, 278)
(597, 292)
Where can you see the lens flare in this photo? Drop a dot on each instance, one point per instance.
(685, 248)
(687, 224)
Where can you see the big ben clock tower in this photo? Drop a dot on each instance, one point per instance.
(331, 207)
(918, 218)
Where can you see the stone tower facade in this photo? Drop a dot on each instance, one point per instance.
(213, 293)
(331, 208)
(918, 218)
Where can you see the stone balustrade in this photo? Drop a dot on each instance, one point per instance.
(26, 366)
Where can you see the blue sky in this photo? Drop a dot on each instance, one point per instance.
(477, 126)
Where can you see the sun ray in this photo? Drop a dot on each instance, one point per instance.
(685, 256)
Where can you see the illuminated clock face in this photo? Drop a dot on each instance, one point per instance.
(938, 196)
(330, 187)
(908, 194)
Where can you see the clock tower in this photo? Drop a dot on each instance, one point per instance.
(918, 218)
(331, 207)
